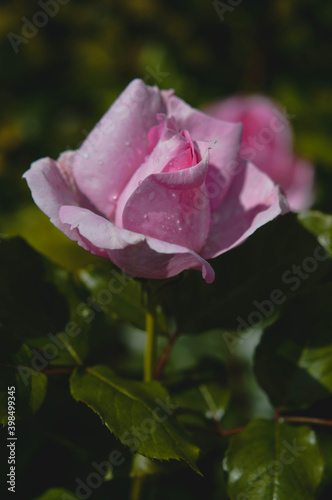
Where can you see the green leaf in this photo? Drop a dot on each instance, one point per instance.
(293, 361)
(30, 306)
(239, 289)
(203, 389)
(57, 494)
(320, 225)
(30, 386)
(324, 438)
(210, 399)
(142, 466)
(119, 296)
(115, 293)
(42, 305)
(273, 460)
(140, 414)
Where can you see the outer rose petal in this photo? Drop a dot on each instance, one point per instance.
(252, 200)
(53, 186)
(300, 192)
(136, 254)
(117, 145)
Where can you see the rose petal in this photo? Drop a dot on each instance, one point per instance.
(170, 206)
(52, 185)
(169, 146)
(268, 141)
(136, 254)
(255, 112)
(252, 200)
(227, 136)
(117, 145)
(300, 194)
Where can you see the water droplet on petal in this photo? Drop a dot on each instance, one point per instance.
(115, 197)
(152, 196)
(139, 182)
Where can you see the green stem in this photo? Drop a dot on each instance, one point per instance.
(137, 488)
(149, 363)
(150, 348)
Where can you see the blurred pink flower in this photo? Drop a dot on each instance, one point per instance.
(267, 141)
(157, 187)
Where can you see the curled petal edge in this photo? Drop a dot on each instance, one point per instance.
(169, 259)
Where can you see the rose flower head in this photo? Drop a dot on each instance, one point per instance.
(157, 187)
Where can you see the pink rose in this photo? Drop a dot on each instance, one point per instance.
(156, 187)
(267, 141)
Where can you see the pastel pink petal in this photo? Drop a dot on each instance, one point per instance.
(52, 185)
(138, 255)
(252, 200)
(170, 146)
(267, 137)
(300, 193)
(156, 132)
(255, 112)
(170, 206)
(186, 178)
(149, 260)
(117, 145)
(201, 126)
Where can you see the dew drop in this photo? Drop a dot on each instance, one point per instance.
(139, 182)
(115, 197)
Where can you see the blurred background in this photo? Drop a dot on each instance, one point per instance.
(61, 70)
(59, 78)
